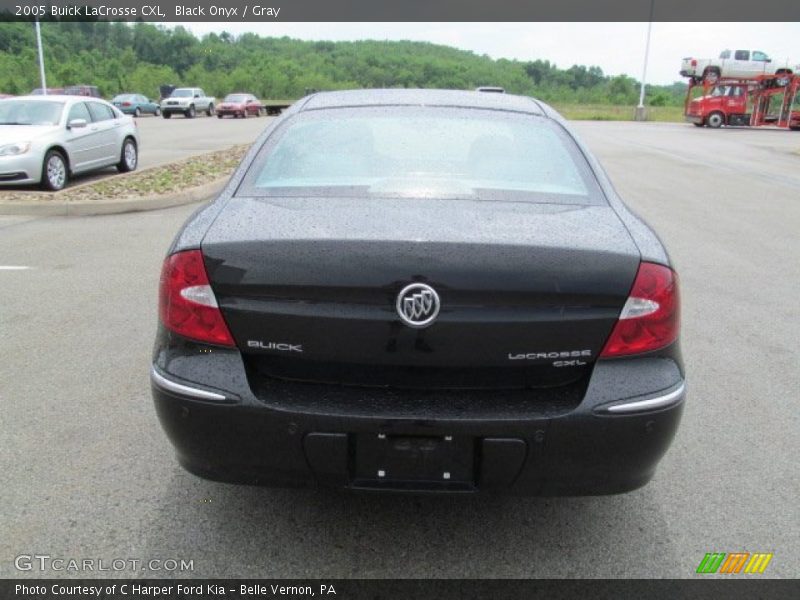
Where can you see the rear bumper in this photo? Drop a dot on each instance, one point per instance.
(610, 443)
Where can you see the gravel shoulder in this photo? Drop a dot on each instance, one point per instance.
(180, 182)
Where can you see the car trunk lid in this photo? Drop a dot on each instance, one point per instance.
(529, 292)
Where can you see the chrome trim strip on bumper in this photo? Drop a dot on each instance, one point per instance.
(171, 386)
(649, 404)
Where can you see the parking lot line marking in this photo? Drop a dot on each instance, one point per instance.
(12, 268)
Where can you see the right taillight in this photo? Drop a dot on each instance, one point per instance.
(650, 318)
(187, 304)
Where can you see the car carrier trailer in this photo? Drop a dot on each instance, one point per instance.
(764, 101)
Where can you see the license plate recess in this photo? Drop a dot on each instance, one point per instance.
(414, 462)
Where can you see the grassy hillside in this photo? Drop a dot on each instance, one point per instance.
(120, 57)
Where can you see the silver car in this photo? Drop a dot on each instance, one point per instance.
(48, 139)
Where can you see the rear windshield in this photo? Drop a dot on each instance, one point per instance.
(422, 152)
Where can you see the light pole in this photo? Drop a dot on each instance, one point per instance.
(641, 114)
(41, 57)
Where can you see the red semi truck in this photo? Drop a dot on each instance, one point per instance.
(720, 107)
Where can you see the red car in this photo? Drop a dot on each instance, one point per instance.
(725, 105)
(240, 105)
(50, 91)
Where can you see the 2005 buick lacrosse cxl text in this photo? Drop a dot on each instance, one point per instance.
(419, 290)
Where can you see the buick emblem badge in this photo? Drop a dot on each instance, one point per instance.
(418, 305)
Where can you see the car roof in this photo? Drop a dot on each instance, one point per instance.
(411, 97)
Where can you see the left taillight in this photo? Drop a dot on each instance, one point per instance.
(187, 304)
(650, 319)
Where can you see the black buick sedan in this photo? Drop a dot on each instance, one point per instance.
(419, 290)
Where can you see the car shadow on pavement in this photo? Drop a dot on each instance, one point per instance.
(74, 181)
(244, 531)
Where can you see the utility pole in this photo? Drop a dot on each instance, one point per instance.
(41, 57)
(641, 113)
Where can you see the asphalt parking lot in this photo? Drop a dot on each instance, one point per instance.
(87, 471)
(167, 140)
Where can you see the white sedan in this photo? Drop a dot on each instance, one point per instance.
(48, 139)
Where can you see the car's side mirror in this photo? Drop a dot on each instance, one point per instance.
(197, 95)
(76, 124)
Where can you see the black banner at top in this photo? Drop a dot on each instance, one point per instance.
(402, 10)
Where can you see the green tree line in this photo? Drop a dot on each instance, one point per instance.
(120, 57)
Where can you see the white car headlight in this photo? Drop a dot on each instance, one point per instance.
(14, 149)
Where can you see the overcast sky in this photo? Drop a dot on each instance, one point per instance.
(615, 47)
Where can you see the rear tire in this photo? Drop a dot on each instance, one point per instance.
(54, 171)
(210, 110)
(167, 115)
(129, 157)
(715, 120)
(219, 115)
(157, 112)
(137, 113)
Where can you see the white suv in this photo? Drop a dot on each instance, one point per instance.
(188, 102)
